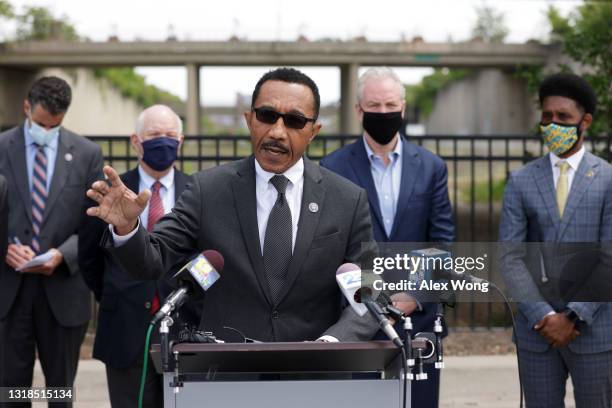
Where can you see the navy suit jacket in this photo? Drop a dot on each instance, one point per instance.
(124, 311)
(423, 212)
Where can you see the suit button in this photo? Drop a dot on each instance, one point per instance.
(275, 314)
(27, 232)
(147, 305)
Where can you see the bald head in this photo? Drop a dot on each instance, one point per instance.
(156, 120)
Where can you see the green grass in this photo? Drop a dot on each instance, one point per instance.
(483, 191)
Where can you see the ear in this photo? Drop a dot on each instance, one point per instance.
(248, 115)
(26, 107)
(136, 145)
(359, 112)
(587, 120)
(403, 109)
(316, 128)
(181, 139)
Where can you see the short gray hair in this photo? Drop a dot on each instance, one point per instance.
(141, 118)
(379, 73)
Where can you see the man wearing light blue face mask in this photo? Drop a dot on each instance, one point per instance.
(127, 305)
(562, 198)
(44, 309)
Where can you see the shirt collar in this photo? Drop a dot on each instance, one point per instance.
(395, 154)
(294, 173)
(574, 160)
(30, 142)
(167, 181)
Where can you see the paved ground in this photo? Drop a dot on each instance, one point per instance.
(467, 381)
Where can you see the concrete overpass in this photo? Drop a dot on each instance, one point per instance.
(348, 55)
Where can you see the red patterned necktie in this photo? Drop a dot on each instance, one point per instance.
(156, 211)
(39, 194)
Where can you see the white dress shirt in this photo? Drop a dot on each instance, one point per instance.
(574, 161)
(387, 181)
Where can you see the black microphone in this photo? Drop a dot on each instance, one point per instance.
(364, 295)
(201, 272)
(349, 279)
(439, 273)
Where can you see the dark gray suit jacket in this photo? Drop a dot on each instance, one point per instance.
(3, 221)
(218, 211)
(78, 164)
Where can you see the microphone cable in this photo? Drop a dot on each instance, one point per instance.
(145, 364)
(405, 376)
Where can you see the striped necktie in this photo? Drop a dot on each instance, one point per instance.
(156, 211)
(39, 194)
(156, 207)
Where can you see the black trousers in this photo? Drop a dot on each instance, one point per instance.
(426, 393)
(29, 327)
(124, 385)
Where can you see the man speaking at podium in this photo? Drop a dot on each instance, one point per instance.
(283, 224)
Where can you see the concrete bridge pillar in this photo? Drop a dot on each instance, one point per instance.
(193, 100)
(348, 98)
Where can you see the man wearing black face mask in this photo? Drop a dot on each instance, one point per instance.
(407, 191)
(126, 305)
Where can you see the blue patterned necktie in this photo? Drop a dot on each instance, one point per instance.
(39, 194)
(278, 239)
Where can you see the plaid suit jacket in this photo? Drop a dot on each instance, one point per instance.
(529, 215)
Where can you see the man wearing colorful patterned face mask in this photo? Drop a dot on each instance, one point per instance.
(563, 197)
(566, 114)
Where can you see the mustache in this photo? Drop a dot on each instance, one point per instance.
(276, 145)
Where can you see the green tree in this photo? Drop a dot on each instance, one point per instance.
(586, 37)
(490, 25)
(38, 24)
(133, 85)
(6, 9)
(423, 94)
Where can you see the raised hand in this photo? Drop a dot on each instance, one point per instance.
(117, 204)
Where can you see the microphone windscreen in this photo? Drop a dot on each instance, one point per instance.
(215, 258)
(347, 267)
(362, 294)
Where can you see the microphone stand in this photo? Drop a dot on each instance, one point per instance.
(408, 345)
(164, 338)
(438, 332)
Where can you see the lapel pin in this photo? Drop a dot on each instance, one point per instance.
(313, 207)
(68, 157)
(590, 173)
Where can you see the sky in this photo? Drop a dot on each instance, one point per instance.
(270, 20)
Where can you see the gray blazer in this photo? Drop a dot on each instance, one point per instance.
(530, 214)
(78, 164)
(3, 221)
(218, 211)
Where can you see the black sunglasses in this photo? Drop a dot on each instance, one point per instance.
(291, 120)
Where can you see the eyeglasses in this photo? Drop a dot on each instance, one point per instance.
(291, 120)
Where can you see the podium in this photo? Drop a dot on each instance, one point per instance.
(275, 375)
